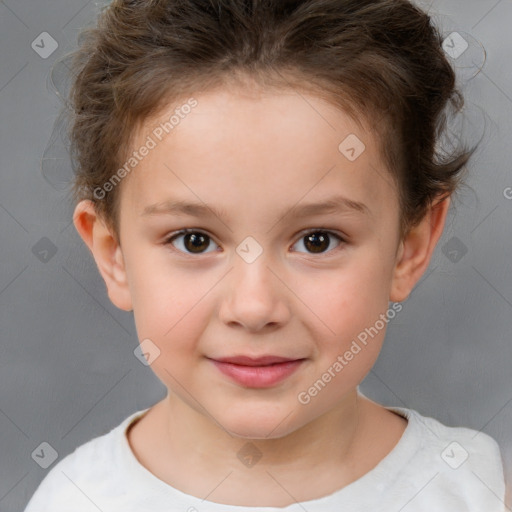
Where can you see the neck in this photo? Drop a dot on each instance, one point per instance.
(332, 433)
(192, 453)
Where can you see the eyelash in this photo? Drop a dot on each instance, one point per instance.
(176, 234)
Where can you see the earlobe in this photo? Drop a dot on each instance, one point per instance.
(416, 250)
(106, 252)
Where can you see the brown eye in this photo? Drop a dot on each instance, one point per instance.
(191, 242)
(195, 242)
(316, 242)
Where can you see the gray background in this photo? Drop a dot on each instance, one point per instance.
(67, 368)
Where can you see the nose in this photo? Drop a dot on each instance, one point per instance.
(254, 297)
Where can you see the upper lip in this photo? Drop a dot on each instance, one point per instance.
(255, 361)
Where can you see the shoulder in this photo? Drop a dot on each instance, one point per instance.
(458, 445)
(455, 464)
(82, 477)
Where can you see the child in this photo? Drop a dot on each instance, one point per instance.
(261, 183)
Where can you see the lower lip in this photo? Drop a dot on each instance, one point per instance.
(258, 376)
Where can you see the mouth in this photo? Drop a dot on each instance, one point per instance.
(261, 372)
(256, 361)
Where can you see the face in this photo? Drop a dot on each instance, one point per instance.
(265, 267)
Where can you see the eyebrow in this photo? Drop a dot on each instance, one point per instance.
(336, 204)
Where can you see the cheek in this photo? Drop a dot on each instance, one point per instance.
(160, 297)
(164, 308)
(349, 308)
(353, 296)
(172, 309)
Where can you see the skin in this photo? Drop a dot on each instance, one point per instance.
(256, 154)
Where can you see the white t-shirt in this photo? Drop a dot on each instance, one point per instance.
(432, 468)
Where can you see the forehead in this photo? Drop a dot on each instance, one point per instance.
(257, 149)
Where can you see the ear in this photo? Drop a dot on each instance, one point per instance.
(415, 251)
(106, 252)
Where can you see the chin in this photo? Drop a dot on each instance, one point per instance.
(254, 426)
(251, 433)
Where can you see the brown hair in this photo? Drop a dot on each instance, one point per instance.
(381, 59)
